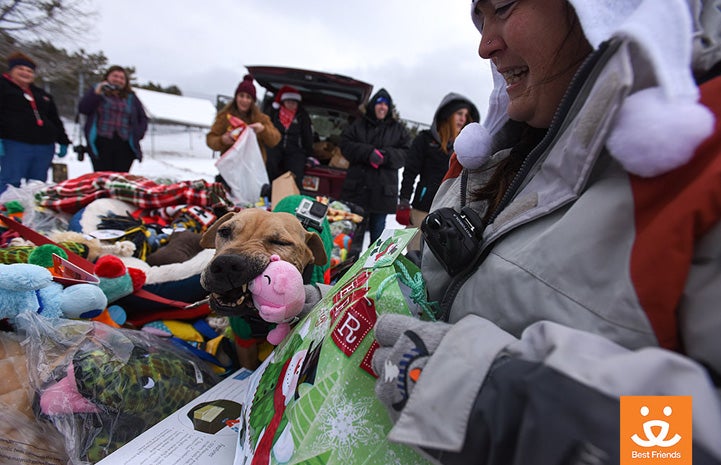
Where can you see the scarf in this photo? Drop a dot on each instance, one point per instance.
(286, 116)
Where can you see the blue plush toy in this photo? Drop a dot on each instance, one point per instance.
(25, 287)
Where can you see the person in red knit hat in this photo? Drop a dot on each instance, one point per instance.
(242, 110)
(294, 125)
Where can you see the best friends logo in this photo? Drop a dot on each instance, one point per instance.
(656, 430)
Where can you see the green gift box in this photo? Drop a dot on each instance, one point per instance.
(312, 400)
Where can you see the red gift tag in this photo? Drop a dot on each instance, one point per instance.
(354, 326)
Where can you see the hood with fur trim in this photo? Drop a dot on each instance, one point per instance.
(370, 106)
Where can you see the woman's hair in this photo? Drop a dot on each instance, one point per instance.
(125, 90)
(448, 132)
(505, 170)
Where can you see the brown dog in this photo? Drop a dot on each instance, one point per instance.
(244, 242)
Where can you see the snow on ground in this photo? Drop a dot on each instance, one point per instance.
(169, 152)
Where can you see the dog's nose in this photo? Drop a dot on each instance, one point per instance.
(227, 272)
(226, 264)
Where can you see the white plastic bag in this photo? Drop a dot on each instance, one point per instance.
(243, 169)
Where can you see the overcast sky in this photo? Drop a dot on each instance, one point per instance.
(418, 51)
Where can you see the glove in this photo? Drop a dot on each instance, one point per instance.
(405, 343)
(63, 150)
(2, 148)
(376, 158)
(403, 212)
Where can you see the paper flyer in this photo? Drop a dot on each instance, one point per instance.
(203, 431)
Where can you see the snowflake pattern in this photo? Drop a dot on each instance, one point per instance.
(345, 425)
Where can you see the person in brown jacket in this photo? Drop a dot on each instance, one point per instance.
(221, 136)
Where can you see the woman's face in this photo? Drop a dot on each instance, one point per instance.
(291, 105)
(460, 118)
(243, 101)
(23, 75)
(117, 78)
(535, 48)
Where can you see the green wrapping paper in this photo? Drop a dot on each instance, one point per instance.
(312, 401)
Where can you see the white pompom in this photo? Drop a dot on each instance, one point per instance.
(472, 146)
(654, 135)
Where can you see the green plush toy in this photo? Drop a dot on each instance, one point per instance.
(112, 384)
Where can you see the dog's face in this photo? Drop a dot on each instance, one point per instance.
(243, 243)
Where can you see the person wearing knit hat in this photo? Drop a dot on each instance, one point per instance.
(428, 160)
(375, 146)
(574, 247)
(30, 126)
(116, 122)
(239, 113)
(294, 125)
(246, 86)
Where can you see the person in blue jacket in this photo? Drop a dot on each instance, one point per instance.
(115, 123)
(29, 125)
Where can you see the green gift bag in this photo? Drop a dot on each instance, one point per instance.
(312, 401)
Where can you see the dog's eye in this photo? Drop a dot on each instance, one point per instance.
(280, 242)
(224, 232)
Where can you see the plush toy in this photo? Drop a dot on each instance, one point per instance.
(279, 295)
(111, 384)
(25, 287)
(117, 280)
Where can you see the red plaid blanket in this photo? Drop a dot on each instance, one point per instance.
(74, 194)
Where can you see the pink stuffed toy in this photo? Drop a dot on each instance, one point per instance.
(279, 295)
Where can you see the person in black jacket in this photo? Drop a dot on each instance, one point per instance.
(29, 125)
(296, 130)
(429, 156)
(375, 147)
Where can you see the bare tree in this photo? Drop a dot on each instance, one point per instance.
(31, 20)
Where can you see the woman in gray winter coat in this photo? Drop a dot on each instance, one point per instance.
(574, 247)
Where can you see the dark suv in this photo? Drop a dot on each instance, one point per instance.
(332, 101)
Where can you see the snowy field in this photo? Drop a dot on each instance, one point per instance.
(169, 152)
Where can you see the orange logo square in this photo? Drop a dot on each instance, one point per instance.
(656, 430)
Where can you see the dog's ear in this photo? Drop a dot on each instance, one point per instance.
(208, 239)
(315, 244)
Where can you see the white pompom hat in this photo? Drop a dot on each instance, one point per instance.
(657, 128)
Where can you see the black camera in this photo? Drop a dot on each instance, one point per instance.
(311, 214)
(80, 150)
(110, 87)
(453, 237)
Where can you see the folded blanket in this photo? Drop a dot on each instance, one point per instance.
(72, 195)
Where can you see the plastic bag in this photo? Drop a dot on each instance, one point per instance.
(102, 386)
(243, 169)
(313, 400)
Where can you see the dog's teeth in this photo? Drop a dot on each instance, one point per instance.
(245, 287)
(240, 301)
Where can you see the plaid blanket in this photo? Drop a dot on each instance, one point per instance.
(74, 194)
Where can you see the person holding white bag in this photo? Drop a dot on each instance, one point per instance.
(242, 112)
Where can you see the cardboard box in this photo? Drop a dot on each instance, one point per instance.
(283, 186)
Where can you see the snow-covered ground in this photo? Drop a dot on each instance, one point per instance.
(169, 152)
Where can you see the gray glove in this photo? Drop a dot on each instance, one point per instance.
(405, 345)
